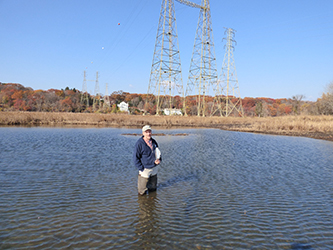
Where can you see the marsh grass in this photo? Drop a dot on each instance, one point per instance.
(323, 124)
(310, 126)
(44, 118)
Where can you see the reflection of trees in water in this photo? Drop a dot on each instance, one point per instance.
(147, 228)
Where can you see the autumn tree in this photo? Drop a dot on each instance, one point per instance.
(297, 99)
(17, 97)
(325, 103)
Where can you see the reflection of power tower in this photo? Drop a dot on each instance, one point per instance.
(230, 94)
(84, 94)
(202, 73)
(97, 95)
(165, 76)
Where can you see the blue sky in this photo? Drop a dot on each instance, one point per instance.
(284, 47)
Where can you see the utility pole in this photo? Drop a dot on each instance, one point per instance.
(166, 74)
(229, 93)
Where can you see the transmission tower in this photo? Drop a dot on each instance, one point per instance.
(166, 74)
(106, 97)
(202, 73)
(229, 93)
(84, 94)
(97, 95)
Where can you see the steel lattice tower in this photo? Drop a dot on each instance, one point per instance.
(97, 95)
(202, 73)
(230, 94)
(166, 74)
(106, 96)
(84, 94)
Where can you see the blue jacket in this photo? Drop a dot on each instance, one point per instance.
(143, 156)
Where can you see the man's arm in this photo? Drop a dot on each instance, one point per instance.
(137, 157)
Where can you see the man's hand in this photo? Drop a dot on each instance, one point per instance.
(157, 162)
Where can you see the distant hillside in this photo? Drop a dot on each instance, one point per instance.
(16, 97)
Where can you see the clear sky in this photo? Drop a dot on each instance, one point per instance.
(284, 47)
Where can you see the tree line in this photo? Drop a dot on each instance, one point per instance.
(16, 97)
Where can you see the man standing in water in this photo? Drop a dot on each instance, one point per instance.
(146, 158)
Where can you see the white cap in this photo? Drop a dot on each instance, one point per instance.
(145, 128)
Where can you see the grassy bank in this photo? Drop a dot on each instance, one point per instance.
(319, 127)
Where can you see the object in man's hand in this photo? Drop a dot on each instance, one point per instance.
(157, 154)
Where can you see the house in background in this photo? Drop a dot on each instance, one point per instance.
(172, 112)
(123, 106)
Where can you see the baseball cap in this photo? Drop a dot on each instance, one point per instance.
(145, 128)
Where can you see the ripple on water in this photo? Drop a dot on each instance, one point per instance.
(76, 189)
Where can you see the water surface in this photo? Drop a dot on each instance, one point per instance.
(75, 188)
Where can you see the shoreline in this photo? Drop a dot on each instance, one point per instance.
(316, 127)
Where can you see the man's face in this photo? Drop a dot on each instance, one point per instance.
(147, 134)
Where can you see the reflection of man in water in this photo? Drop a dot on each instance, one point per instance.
(147, 227)
(146, 159)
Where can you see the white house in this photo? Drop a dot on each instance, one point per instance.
(123, 106)
(172, 112)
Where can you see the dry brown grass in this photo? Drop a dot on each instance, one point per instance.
(322, 124)
(310, 126)
(319, 127)
(44, 118)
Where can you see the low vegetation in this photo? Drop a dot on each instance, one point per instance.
(320, 127)
(21, 105)
(15, 97)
